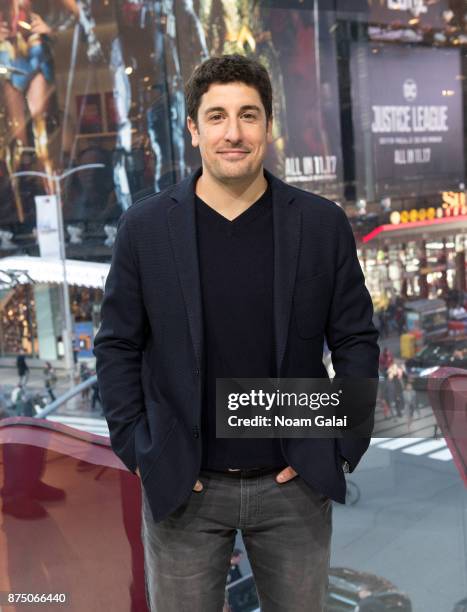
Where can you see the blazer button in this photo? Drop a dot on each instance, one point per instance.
(196, 372)
(195, 432)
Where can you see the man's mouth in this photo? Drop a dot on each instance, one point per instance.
(233, 153)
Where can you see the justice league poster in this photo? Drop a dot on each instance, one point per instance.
(408, 123)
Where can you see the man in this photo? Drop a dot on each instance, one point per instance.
(23, 369)
(230, 273)
(234, 569)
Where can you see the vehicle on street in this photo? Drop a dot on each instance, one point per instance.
(348, 589)
(450, 351)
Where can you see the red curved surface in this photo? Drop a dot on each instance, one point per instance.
(70, 519)
(447, 388)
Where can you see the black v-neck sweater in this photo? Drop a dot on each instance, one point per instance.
(236, 270)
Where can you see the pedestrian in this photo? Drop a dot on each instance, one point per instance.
(391, 316)
(395, 390)
(23, 369)
(385, 361)
(226, 274)
(22, 401)
(75, 349)
(50, 379)
(400, 319)
(85, 374)
(233, 575)
(383, 393)
(234, 570)
(16, 399)
(383, 321)
(410, 401)
(3, 403)
(95, 398)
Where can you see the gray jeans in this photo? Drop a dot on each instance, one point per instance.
(286, 529)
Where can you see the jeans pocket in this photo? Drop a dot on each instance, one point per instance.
(315, 495)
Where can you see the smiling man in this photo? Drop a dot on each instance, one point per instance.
(230, 273)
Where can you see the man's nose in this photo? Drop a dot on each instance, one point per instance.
(233, 132)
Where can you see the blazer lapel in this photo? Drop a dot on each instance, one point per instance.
(181, 219)
(287, 224)
(182, 231)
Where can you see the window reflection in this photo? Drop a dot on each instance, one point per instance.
(369, 111)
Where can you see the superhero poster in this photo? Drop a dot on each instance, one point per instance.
(103, 83)
(306, 54)
(299, 54)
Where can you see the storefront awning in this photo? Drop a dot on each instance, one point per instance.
(48, 270)
(414, 229)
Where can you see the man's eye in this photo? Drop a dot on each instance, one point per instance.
(215, 117)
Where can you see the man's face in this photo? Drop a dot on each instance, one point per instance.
(231, 131)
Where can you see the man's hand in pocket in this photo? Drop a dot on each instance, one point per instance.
(287, 474)
(198, 486)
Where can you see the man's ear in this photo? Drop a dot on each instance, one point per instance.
(193, 129)
(269, 130)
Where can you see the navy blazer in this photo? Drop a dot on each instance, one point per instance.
(149, 346)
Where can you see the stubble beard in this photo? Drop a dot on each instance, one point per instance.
(227, 172)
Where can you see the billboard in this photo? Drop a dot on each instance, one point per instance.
(103, 83)
(295, 43)
(429, 13)
(424, 13)
(307, 59)
(408, 121)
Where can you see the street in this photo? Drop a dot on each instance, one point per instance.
(409, 526)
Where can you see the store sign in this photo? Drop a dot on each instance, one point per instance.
(407, 113)
(453, 205)
(47, 226)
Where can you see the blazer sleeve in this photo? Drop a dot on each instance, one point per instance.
(350, 332)
(119, 345)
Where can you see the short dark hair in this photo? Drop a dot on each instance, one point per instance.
(227, 69)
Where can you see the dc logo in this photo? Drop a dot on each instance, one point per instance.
(409, 90)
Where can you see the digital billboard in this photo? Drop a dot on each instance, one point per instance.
(408, 121)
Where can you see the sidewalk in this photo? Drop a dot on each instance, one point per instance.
(9, 379)
(9, 375)
(79, 406)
